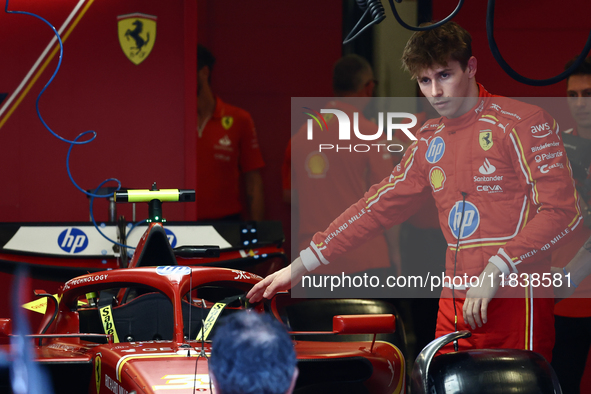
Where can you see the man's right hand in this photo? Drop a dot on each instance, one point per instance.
(281, 280)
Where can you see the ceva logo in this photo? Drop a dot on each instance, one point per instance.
(171, 237)
(72, 240)
(345, 124)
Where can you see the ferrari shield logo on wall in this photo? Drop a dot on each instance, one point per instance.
(486, 141)
(137, 34)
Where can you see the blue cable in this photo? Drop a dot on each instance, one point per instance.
(94, 222)
(75, 141)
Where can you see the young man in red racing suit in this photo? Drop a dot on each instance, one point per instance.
(502, 208)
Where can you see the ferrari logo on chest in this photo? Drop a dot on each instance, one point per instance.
(137, 34)
(227, 122)
(485, 139)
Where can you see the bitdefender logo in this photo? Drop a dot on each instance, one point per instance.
(345, 130)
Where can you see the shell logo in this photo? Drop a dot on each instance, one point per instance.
(437, 178)
(317, 165)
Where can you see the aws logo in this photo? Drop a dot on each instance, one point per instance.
(171, 237)
(544, 130)
(72, 240)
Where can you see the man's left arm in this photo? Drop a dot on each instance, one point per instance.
(540, 160)
(254, 194)
(551, 189)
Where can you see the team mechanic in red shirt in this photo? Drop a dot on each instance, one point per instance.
(501, 212)
(227, 148)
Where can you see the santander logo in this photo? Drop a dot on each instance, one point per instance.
(487, 168)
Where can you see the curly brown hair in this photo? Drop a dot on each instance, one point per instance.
(437, 46)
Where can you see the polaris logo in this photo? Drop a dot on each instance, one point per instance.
(171, 237)
(72, 240)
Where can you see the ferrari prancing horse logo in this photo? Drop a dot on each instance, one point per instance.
(227, 122)
(137, 34)
(97, 372)
(486, 141)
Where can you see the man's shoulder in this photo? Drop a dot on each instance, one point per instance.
(226, 109)
(506, 109)
(430, 126)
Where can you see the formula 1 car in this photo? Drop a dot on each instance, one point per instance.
(56, 252)
(139, 330)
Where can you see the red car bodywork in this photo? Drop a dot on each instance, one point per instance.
(156, 366)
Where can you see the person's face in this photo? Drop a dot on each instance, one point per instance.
(448, 88)
(578, 90)
(202, 78)
(370, 85)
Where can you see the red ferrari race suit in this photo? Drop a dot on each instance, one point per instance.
(499, 174)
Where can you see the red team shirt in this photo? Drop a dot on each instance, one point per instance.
(328, 182)
(518, 206)
(226, 147)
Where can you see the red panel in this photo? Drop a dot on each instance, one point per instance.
(364, 324)
(266, 54)
(138, 111)
(145, 114)
(536, 40)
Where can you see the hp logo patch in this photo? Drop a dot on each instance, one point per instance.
(470, 222)
(72, 240)
(173, 270)
(436, 150)
(171, 237)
